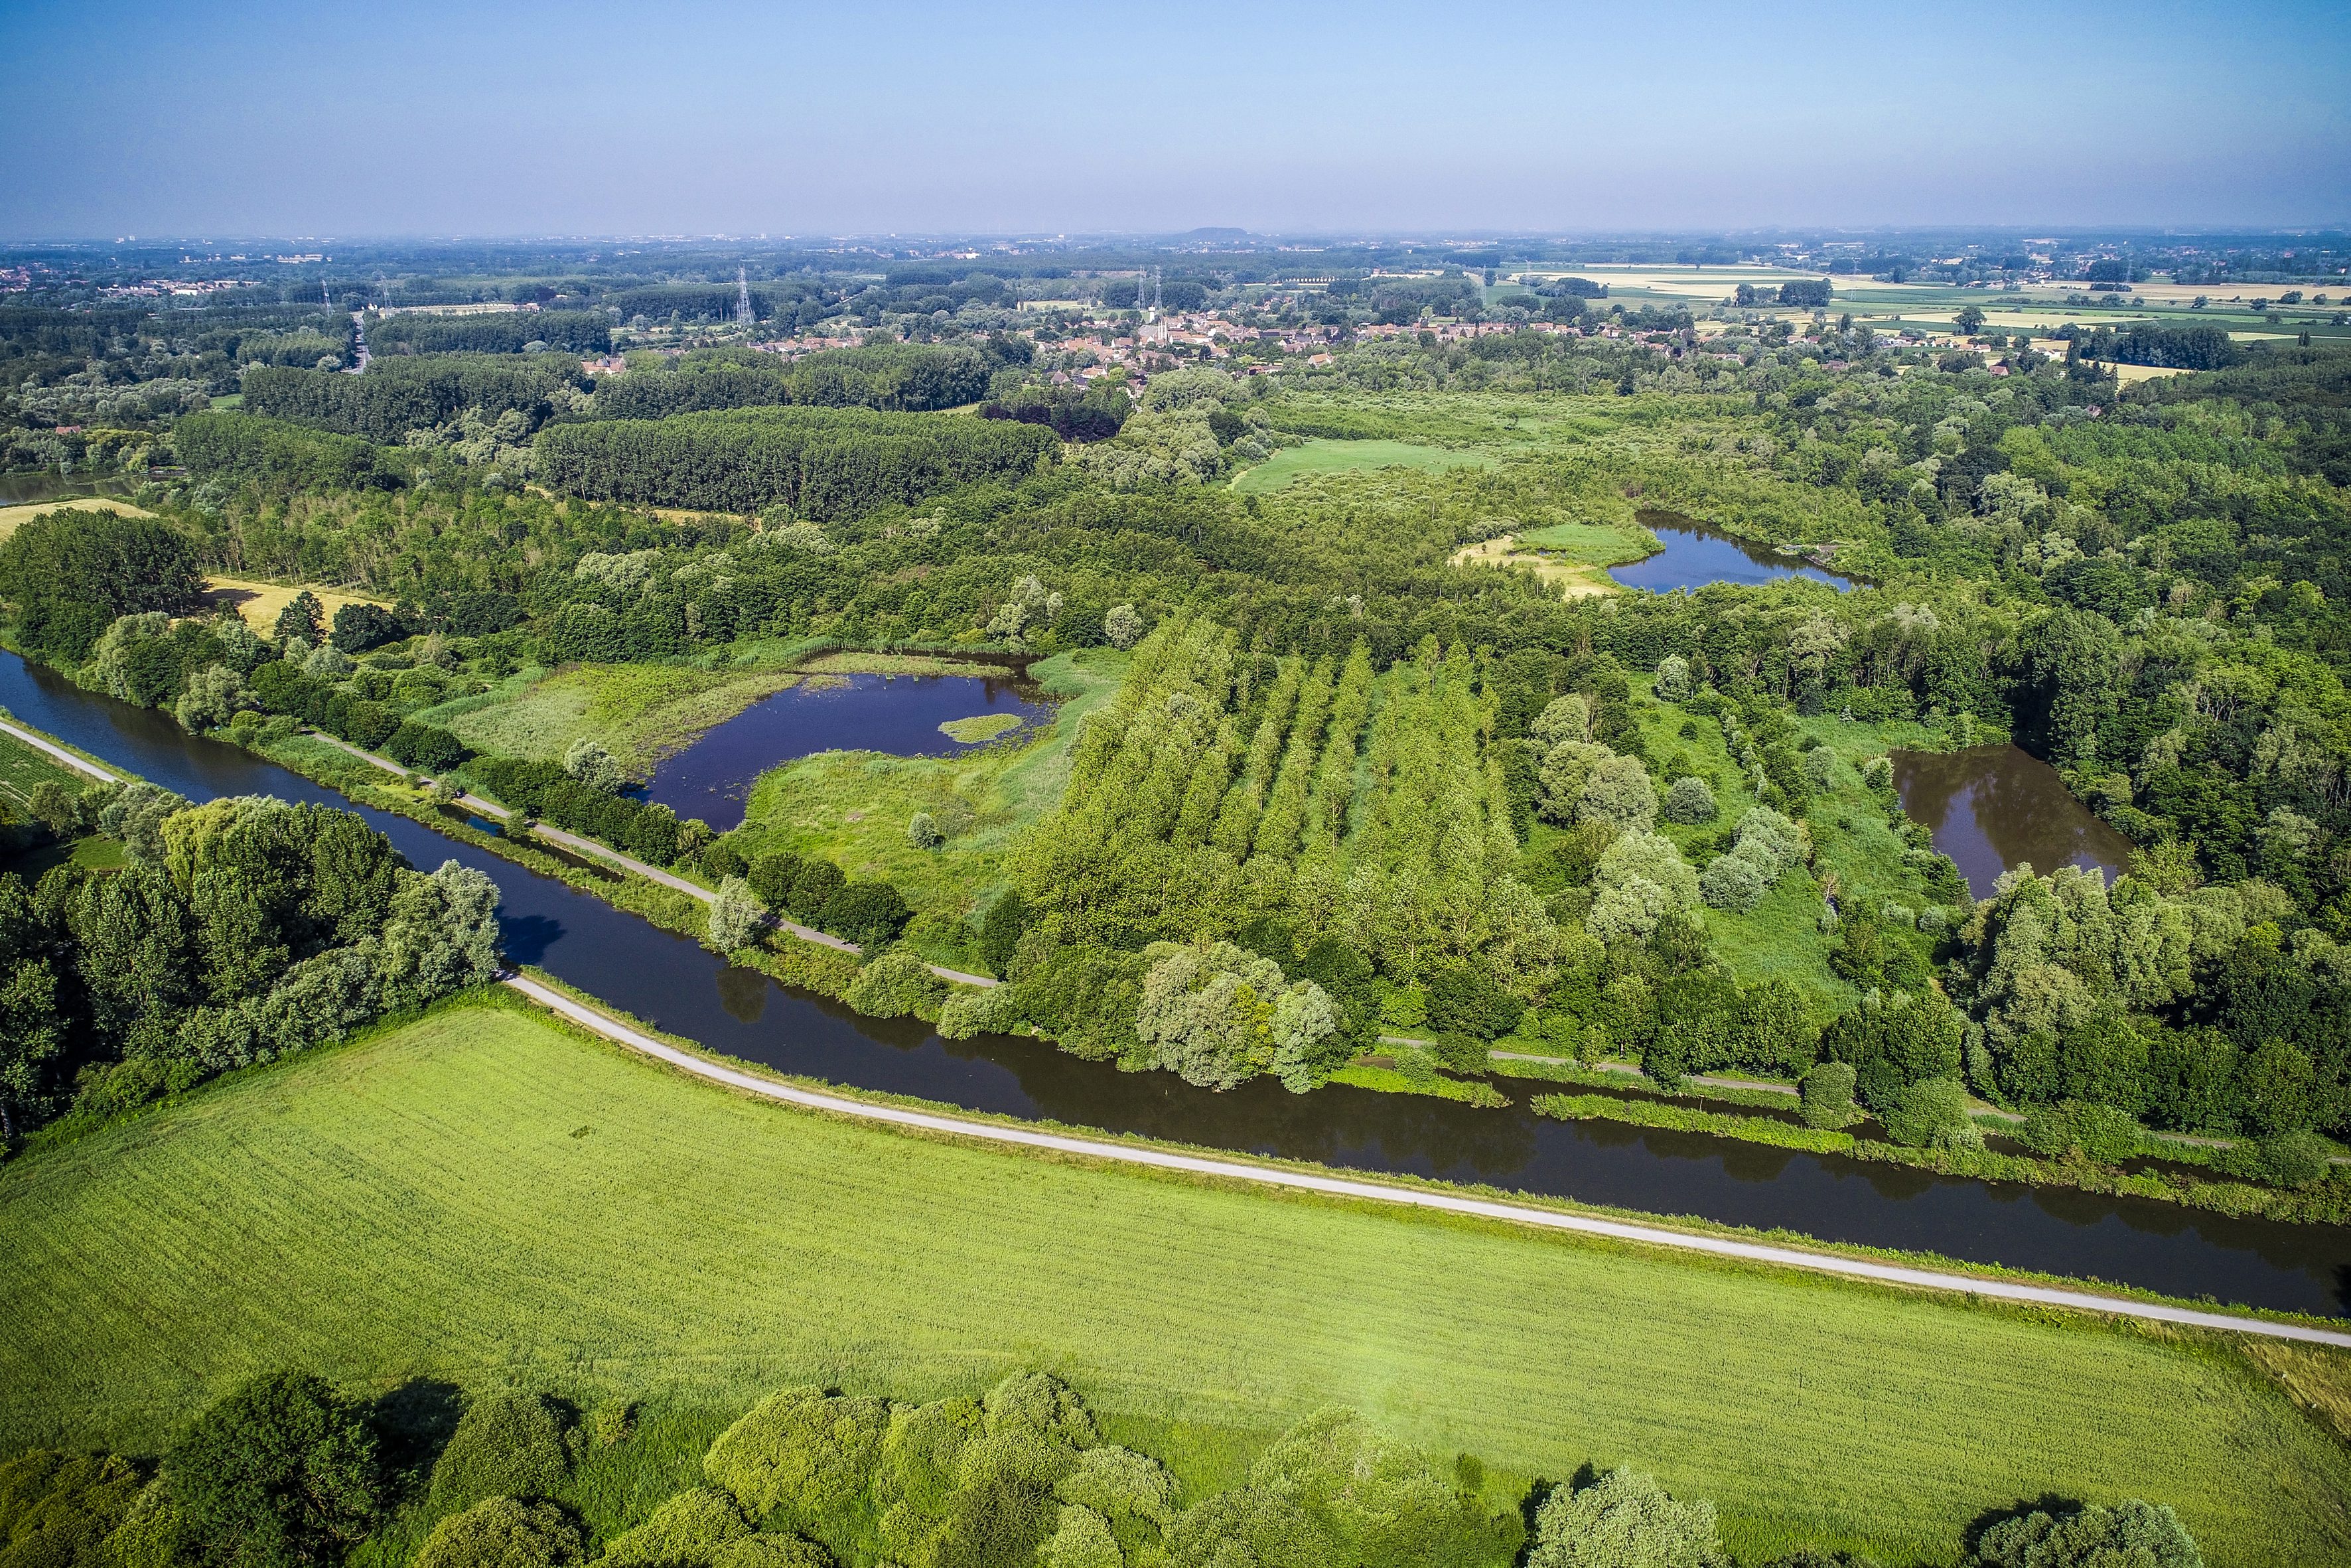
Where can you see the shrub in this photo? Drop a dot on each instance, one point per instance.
(359, 627)
(1384, 1501)
(503, 1532)
(1734, 883)
(1122, 626)
(58, 1509)
(1690, 799)
(1617, 791)
(426, 748)
(818, 881)
(898, 984)
(870, 913)
(723, 858)
(922, 831)
(1828, 1094)
(2102, 1131)
(800, 1454)
(1000, 930)
(2283, 1159)
(1466, 998)
(282, 1472)
(771, 876)
(687, 1531)
(735, 917)
(1463, 1053)
(592, 764)
(1652, 857)
(772, 1549)
(1934, 1111)
(2142, 1534)
(506, 1444)
(1879, 773)
(1622, 1518)
(1673, 682)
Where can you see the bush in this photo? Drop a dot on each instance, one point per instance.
(504, 1532)
(1734, 883)
(1672, 682)
(800, 1455)
(922, 831)
(870, 913)
(58, 1509)
(506, 1444)
(687, 1531)
(898, 984)
(1000, 930)
(1617, 791)
(282, 1472)
(735, 917)
(1622, 1520)
(360, 626)
(1828, 1094)
(1934, 1111)
(2102, 1131)
(2285, 1159)
(2142, 1534)
(1463, 1053)
(1690, 799)
(426, 748)
(815, 884)
(772, 1549)
(770, 876)
(1466, 998)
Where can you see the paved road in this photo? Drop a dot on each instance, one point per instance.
(81, 764)
(1342, 1186)
(579, 845)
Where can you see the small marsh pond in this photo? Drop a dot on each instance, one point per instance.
(1994, 807)
(1695, 555)
(900, 714)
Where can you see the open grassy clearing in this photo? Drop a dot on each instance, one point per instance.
(1326, 456)
(1575, 557)
(13, 517)
(260, 602)
(638, 711)
(482, 1198)
(851, 806)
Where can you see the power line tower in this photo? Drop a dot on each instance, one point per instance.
(743, 313)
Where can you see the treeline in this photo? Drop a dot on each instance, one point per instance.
(821, 463)
(903, 377)
(240, 930)
(72, 574)
(278, 455)
(396, 395)
(286, 1469)
(644, 828)
(2174, 348)
(496, 332)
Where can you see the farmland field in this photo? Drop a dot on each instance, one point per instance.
(1324, 456)
(13, 517)
(483, 1198)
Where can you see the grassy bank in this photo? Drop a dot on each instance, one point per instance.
(484, 1198)
(638, 711)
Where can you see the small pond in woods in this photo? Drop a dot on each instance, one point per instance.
(1993, 806)
(1695, 555)
(900, 714)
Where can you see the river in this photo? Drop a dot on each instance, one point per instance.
(674, 984)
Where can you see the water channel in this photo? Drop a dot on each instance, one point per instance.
(1695, 555)
(671, 982)
(900, 714)
(1993, 806)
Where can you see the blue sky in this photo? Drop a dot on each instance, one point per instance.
(694, 117)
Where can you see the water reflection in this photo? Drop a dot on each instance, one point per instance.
(1993, 806)
(899, 714)
(1695, 555)
(673, 983)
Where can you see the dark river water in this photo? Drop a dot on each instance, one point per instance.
(673, 983)
(1993, 806)
(712, 779)
(1696, 555)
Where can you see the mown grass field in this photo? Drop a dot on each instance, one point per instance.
(13, 517)
(482, 1198)
(260, 602)
(1323, 457)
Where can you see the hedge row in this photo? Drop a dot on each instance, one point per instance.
(900, 376)
(645, 829)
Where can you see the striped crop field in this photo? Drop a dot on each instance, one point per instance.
(485, 1196)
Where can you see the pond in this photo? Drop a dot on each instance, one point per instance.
(1695, 555)
(671, 982)
(1994, 807)
(900, 714)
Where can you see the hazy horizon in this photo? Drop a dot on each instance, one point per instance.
(171, 119)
